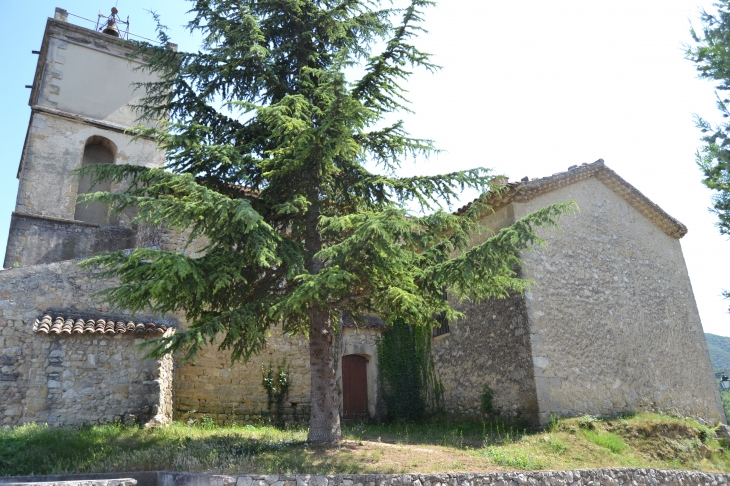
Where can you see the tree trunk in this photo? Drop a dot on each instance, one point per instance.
(324, 422)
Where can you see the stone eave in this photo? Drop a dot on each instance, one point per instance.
(526, 190)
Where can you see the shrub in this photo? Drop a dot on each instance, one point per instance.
(486, 398)
(277, 386)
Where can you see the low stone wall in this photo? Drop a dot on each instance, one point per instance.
(141, 478)
(83, 482)
(71, 379)
(584, 477)
(95, 379)
(588, 477)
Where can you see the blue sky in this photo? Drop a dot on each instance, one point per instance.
(527, 88)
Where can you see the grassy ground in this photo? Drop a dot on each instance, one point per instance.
(644, 440)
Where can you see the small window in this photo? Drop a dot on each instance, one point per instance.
(444, 323)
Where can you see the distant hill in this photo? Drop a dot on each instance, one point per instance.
(719, 347)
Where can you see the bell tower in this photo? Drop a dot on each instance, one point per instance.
(81, 104)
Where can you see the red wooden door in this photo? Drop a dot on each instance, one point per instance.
(354, 387)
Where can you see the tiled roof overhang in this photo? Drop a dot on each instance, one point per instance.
(87, 325)
(369, 321)
(527, 190)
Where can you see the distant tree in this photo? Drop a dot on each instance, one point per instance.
(268, 153)
(711, 55)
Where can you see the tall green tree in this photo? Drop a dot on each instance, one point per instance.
(711, 55)
(269, 149)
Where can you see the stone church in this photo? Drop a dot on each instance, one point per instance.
(609, 326)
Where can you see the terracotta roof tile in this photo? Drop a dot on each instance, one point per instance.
(69, 325)
(527, 189)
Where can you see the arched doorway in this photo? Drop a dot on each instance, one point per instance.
(354, 387)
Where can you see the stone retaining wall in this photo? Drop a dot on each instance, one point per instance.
(83, 482)
(588, 477)
(585, 477)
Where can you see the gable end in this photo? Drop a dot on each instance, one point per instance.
(527, 190)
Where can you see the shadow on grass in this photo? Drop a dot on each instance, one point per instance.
(448, 434)
(38, 450)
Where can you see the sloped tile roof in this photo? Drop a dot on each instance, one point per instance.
(370, 321)
(525, 190)
(79, 325)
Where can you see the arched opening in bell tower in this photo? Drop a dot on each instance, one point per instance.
(98, 150)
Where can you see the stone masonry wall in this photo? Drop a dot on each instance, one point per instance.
(613, 321)
(172, 239)
(490, 346)
(47, 189)
(72, 379)
(33, 240)
(211, 386)
(83, 482)
(54, 148)
(96, 379)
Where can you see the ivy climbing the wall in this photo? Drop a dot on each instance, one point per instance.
(276, 383)
(411, 389)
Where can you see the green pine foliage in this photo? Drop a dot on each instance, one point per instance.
(711, 55)
(410, 386)
(269, 148)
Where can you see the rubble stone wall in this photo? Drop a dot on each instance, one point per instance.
(33, 240)
(71, 379)
(489, 346)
